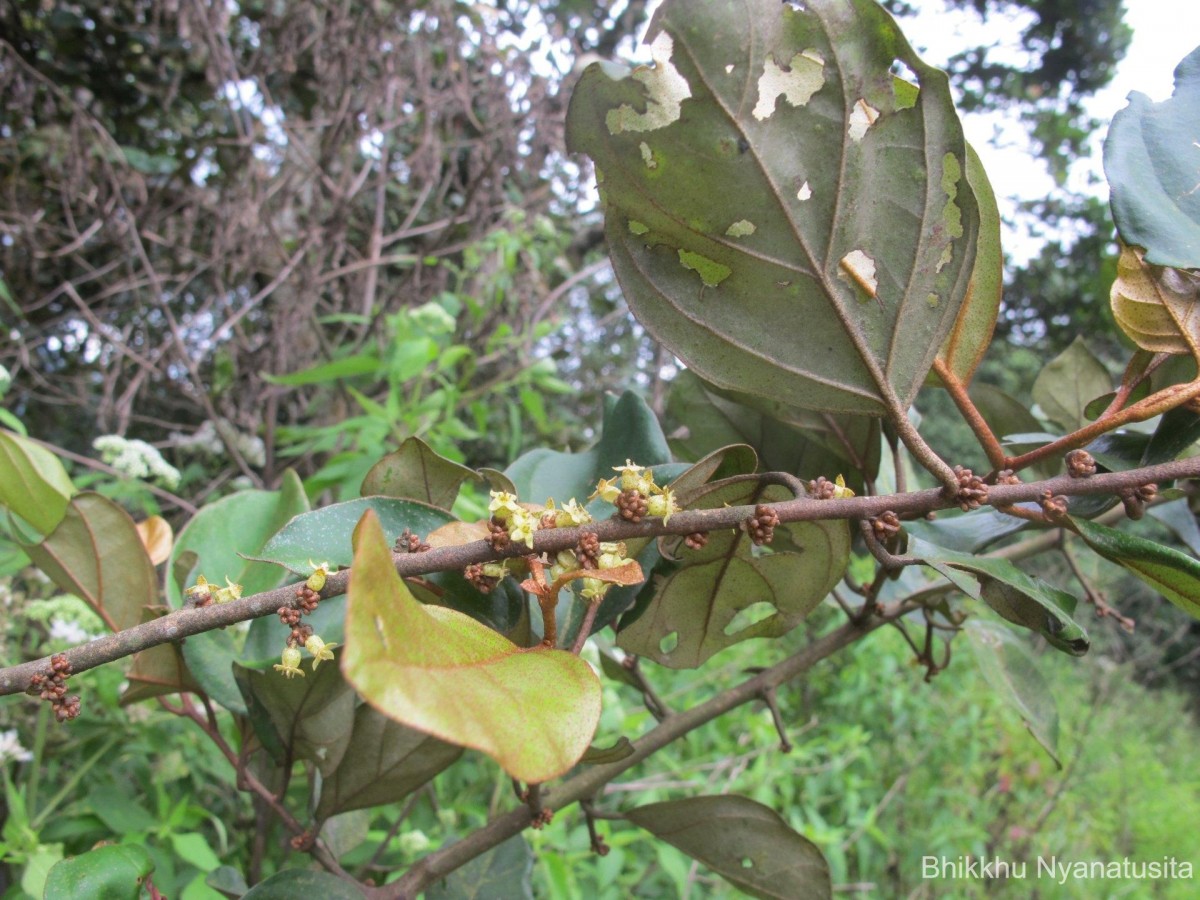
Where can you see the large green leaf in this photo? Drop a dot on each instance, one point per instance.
(1173, 574)
(414, 471)
(441, 672)
(780, 215)
(33, 483)
(96, 553)
(112, 872)
(1018, 597)
(384, 762)
(502, 872)
(707, 601)
(1068, 383)
(1012, 671)
(630, 431)
(746, 843)
(1150, 160)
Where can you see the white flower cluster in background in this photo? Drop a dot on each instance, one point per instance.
(11, 749)
(207, 439)
(137, 459)
(5, 381)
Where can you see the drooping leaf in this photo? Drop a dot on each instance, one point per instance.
(968, 340)
(1018, 597)
(291, 884)
(384, 762)
(33, 483)
(441, 672)
(1159, 308)
(746, 843)
(1012, 671)
(1068, 383)
(309, 717)
(415, 471)
(1173, 574)
(96, 554)
(630, 431)
(766, 171)
(502, 872)
(693, 610)
(1149, 158)
(111, 872)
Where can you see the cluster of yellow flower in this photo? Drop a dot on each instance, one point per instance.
(660, 501)
(203, 588)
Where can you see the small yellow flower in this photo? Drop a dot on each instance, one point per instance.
(503, 505)
(572, 514)
(521, 525)
(594, 588)
(611, 555)
(663, 504)
(319, 649)
(231, 591)
(607, 490)
(316, 580)
(290, 663)
(840, 491)
(631, 476)
(200, 587)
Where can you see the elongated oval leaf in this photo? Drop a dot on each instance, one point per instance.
(746, 843)
(414, 471)
(1159, 308)
(1150, 161)
(778, 214)
(441, 672)
(96, 553)
(694, 609)
(1173, 574)
(33, 483)
(1068, 383)
(111, 872)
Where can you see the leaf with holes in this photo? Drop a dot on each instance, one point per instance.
(1159, 308)
(1152, 160)
(441, 672)
(746, 843)
(767, 171)
(731, 591)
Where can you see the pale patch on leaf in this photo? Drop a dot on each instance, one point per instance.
(859, 269)
(741, 228)
(157, 537)
(666, 90)
(729, 69)
(648, 155)
(804, 193)
(803, 77)
(636, 227)
(862, 117)
(711, 272)
(1159, 308)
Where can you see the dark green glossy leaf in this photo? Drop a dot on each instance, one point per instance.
(744, 842)
(767, 171)
(1012, 671)
(112, 872)
(502, 873)
(292, 884)
(33, 483)
(384, 762)
(96, 554)
(1149, 158)
(1173, 574)
(1018, 597)
(308, 717)
(1068, 383)
(414, 471)
(630, 431)
(694, 609)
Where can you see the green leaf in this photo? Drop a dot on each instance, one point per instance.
(291, 884)
(765, 172)
(1173, 574)
(746, 843)
(703, 419)
(194, 849)
(1007, 416)
(300, 718)
(1150, 161)
(384, 762)
(441, 672)
(159, 670)
(600, 756)
(1068, 383)
(331, 371)
(503, 871)
(33, 483)
(112, 872)
(968, 532)
(630, 431)
(1012, 672)
(1178, 516)
(1020, 598)
(415, 472)
(692, 612)
(968, 340)
(96, 554)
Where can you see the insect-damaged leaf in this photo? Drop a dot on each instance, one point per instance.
(746, 843)
(779, 214)
(708, 601)
(441, 672)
